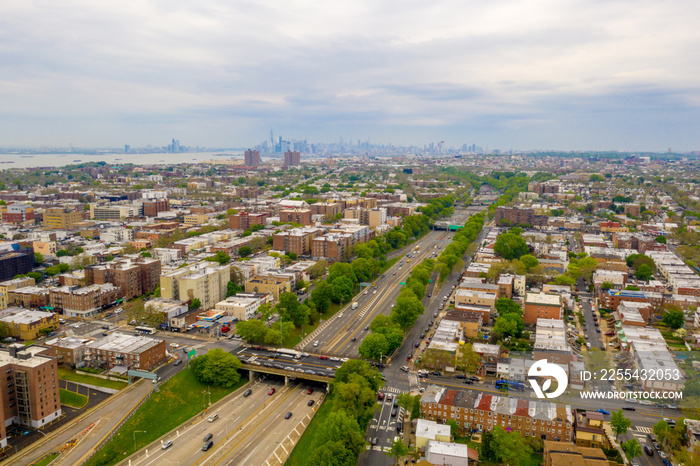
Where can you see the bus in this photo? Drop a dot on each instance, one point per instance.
(510, 385)
(145, 330)
(288, 353)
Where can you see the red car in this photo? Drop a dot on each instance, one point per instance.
(309, 391)
(381, 395)
(271, 392)
(323, 357)
(225, 329)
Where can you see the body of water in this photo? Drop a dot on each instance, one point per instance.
(59, 160)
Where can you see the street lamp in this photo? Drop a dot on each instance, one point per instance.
(140, 431)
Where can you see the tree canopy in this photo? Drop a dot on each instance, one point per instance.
(217, 367)
(510, 246)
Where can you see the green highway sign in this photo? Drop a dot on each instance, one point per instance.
(192, 354)
(402, 283)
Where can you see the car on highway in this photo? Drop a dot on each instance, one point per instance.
(288, 415)
(310, 403)
(629, 408)
(309, 391)
(323, 357)
(208, 437)
(353, 339)
(271, 392)
(178, 362)
(468, 382)
(167, 444)
(207, 445)
(213, 417)
(247, 393)
(603, 412)
(316, 343)
(460, 376)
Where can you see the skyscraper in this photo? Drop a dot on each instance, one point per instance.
(292, 158)
(252, 158)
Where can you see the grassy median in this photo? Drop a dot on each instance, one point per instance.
(178, 400)
(307, 442)
(72, 376)
(75, 400)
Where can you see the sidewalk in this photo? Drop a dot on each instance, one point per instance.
(87, 431)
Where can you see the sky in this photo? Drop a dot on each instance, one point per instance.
(507, 74)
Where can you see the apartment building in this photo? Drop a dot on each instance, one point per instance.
(119, 349)
(300, 216)
(153, 207)
(205, 281)
(9, 285)
(269, 284)
(19, 214)
(559, 453)
(245, 220)
(331, 247)
(297, 240)
(27, 324)
(83, 302)
(475, 411)
(133, 277)
(520, 216)
(15, 260)
(542, 305)
(292, 158)
(112, 212)
(370, 217)
(28, 296)
(61, 218)
(328, 209)
(29, 388)
(68, 350)
(243, 306)
(251, 158)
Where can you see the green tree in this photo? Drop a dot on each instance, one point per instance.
(509, 447)
(530, 261)
(510, 246)
(319, 269)
(196, 304)
(674, 318)
(632, 448)
(661, 239)
(374, 346)
(232, 289)
(454, 427)
(407, 309)
(607, 286)
(38, 258)
(619, 423)
(405, 400)
(508, 325)
(217, 367)
(397, 449)
(643, 272)
(245, 251)
(321, 296)
(291, 309)
(221, 257)
(508, 306)
(339, 427)
(468, 359)
(252, 331)
(341, 289)
(331, 454)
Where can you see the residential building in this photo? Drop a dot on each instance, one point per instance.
(133, 277)
(292, 159)
(9, 285)
(505, 285)
(427, 430)
(297, 240)
(119, 349)
(551, 342)
(453, 454)
(519, 216)
(28, 297)
(205, 281)
(28, 325)
(112, 212)
(45, 248)
(15, 261)
(300, 216)
(19, 214)
(29, 386)
(479, 412)
(151, 208)
(61, 218)
(268, 284)
(566, 453)
(68, 350)
(469, 321)
(327, 209)
(589, 429)
(83, 302)
(251, 158)
(331, 247)
(611, 299)
(166, 308)
(542, 305)
(244, 220)
(195, 219)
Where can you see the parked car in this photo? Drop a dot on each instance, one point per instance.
(648, 450)
(603, 412)
(436, 373)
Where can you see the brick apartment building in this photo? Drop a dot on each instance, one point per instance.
(152, 207)
(133, 277)
(244, 220)
(329, 209)
(251, 158)
(28, 297)
(83, 302)
(136, 352)
(9, 285)
(479, 412)
(29, 387)
(300, 216)
(520, 216)
(292, 158)
(331, 247)
(19, 214)
(542, 306)
(297, 240)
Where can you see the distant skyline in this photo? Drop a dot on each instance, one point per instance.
(513, 74)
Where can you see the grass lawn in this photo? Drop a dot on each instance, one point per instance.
(76, 400)
(65, 374)
(535, 460)
(178, 400)
(45, 460)
(306, 443)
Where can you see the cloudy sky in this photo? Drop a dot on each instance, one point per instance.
(508, 74)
